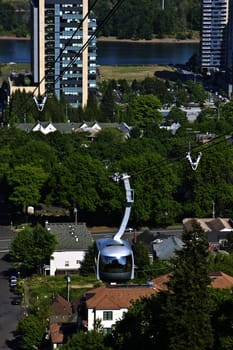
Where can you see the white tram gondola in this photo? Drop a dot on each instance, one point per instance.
(114, 258)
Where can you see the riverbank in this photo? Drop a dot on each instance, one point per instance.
(114, 39)
(14, 38)
(152, 41)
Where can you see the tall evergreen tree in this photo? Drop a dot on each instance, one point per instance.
(188, 309)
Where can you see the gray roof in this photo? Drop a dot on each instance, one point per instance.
(70, 236)
(167, 248)
(70, 127)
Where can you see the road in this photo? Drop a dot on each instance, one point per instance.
(9, 314)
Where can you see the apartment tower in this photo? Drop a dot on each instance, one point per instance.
(214, 35)
(63, 49)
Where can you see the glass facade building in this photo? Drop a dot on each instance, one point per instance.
(214, 34)
(64, 49)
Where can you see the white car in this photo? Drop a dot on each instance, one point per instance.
(129, 229)
(13, 281)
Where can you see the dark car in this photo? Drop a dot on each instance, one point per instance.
(16, 301)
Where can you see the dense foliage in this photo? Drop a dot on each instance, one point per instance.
(32, 247)
(69, 171)
(144, 19)
(135, 20)
(11, 22)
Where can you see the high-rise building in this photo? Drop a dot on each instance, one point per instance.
(63, 49)
(214, 35)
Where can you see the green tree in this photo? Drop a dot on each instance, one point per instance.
(32, 247)
(143, 326)
(26, 182)
(222, 316)
(32, 331)
(87, 265)
(141, 255)
(107, 105)
(188, 307)
(91, 340)
(144, 109)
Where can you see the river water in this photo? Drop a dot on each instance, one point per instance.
(113, 53)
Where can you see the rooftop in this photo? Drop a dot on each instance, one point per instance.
(70, 236)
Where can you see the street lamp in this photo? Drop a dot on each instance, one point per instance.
(75, 215)
(68, 280)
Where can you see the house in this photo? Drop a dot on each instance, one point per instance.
(205, 138)
(221, 280)
(107, 304)
(91, 128)
(161, 245)
(166, 248)
(216, 229)
(62, 322)
(73, 243)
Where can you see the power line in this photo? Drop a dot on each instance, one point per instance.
(203, 149)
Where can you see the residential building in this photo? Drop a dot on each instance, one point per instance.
(63, 49)
(215, 17)
(91, 128)
(62, 321)
(73, 241)
(216, 230)
(107, 304)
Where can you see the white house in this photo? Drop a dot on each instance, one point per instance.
(108, 303)
(73, 242)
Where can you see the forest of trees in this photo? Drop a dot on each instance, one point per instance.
(133, 19)
(69, 171)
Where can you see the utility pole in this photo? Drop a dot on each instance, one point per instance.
(213, 212)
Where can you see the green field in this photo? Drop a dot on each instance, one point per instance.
(7, 68)
(104, 72)
(130, 72)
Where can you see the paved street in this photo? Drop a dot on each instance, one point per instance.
(9, 314)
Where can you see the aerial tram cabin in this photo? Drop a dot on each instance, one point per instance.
(114, 258)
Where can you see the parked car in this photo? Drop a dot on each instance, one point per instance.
(16, 301)
(13, 281)
(13, 289)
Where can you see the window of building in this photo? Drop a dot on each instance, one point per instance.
(107, 315)
(67, 263)
(107, 330)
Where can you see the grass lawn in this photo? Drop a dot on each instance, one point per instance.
(130, 72)
(6, 69)
(105, 72)
(44, 287)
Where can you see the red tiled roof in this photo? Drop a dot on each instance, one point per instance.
(221, 280)
(61, 306)
(115, 297)
(56, 335)
(160, 282)
(118, 297)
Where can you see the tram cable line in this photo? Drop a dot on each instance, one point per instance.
(198, 149)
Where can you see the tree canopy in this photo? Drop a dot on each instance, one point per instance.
(32, 247)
